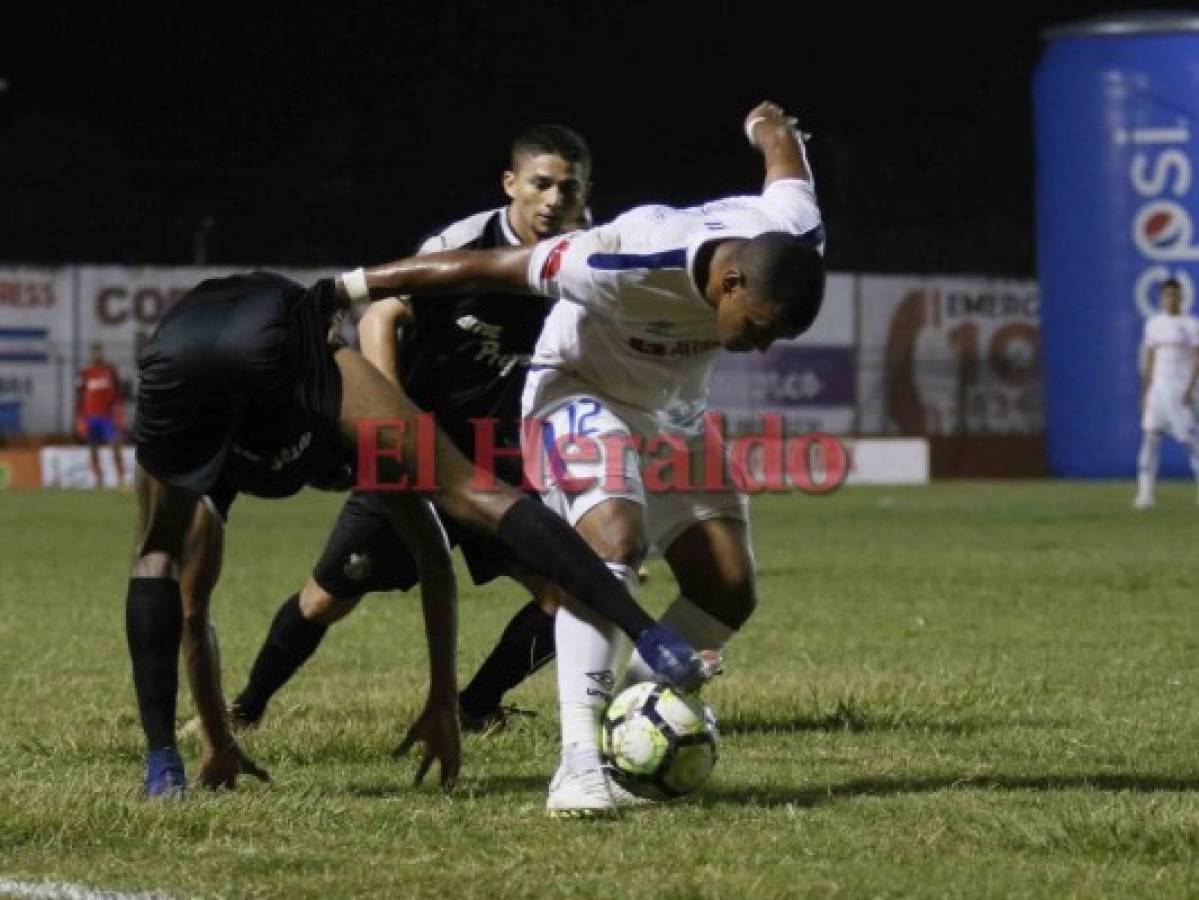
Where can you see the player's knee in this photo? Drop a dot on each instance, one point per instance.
(731, 599)
(617, 542)
(475, 507)
(319, 606)
(615, 532)
(155, 564)
(627, 549)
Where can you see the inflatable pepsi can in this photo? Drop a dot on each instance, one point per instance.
(1117, 142)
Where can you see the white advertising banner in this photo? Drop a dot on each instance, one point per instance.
(36, 349)
(887, 461)
(943, 355)
(887, 355)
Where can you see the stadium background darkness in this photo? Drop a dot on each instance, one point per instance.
(340, 133)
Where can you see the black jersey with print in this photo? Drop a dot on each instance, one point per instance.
(466, 356)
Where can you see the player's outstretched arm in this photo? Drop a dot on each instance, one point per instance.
(377, 334)
(502, 270)
(772, 131)
(223, 759)
(437, 727)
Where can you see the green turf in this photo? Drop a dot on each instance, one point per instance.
(963, 690)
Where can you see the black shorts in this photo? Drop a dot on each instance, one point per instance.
(239, 386)
(364, 553)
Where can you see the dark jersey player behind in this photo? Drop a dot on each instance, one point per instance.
(464, 359)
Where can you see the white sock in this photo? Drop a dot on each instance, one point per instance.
(699, 628)
(1147, 462)
(588, 650)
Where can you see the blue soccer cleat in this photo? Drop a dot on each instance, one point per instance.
(674, 661)
(164, 774)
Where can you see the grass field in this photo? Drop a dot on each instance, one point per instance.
(961, 690)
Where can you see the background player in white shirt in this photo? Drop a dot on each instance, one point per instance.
(653, 297)
(1169, 370)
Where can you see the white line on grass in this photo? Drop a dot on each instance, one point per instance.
(58, 890)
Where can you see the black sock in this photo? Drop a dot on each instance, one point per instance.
(526, 645)
(154, 629)
(544, 543)
(289, 643)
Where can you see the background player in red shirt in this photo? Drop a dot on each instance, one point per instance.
(100, 411)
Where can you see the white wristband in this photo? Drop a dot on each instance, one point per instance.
(802, 136)
(749, 129)
(355, 284)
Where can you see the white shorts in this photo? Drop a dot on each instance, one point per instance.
(588, 449)
(1165, 411)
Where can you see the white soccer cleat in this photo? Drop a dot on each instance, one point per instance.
(1142, 502)
(581, 793)
(625, 798)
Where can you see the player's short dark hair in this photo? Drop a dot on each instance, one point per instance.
(1170, 282)
(785, 269)
(556, 139)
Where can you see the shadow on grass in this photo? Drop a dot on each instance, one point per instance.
(489, 785)
(533, 787)
(821, 795)
(848, 718)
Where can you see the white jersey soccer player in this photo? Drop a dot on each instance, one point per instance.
(630, 355)
(1170, 366)
(632, 352)
(649, 300)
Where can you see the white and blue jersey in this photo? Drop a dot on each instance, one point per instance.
(636, 329)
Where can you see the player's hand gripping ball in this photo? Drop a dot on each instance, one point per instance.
(657, 742)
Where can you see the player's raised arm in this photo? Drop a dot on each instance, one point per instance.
(503, 270)
(772, 131)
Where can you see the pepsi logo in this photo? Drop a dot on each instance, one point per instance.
(1162, 228)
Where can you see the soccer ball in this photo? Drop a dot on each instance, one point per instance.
(658, 743)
